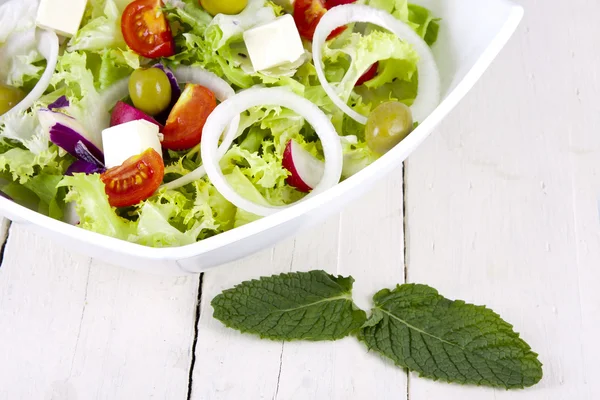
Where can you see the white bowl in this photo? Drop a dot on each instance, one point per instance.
(472, 33)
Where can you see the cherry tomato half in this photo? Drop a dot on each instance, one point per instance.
(308, 13)
(186, 121)
(146, 29)
(134, 181)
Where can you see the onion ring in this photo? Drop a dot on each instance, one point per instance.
(428, 96)
(254, 97)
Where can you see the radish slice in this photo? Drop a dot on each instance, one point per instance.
(306, 170)
(220, 117)
(123, 113)
(428, 96)
(222, 92)
(47, 45)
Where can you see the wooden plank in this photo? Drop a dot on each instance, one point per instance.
(502, 202)
(371, 249)
(73, 328)
(230, 365)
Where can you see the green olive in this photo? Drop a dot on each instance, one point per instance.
(9, 97)
(150, 90)
(388, 125)
(230, 7)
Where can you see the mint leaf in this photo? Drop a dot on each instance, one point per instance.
(449, 340)
(297, 306)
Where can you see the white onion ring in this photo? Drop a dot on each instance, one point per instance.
(220, 117)
(116, 92)
(47, 45)
(428, 96)
(222, 92)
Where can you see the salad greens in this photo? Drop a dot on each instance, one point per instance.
(97, 57)
(413, 325)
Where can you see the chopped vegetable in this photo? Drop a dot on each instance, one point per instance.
(69, 134)
(261, 154)
(183, 129)
(123, 113)
(305, 169)
(146, 29)
(308, 13)
(429, 78)
(129, 139)
(134, 181)
(61, 102)
(84, 167)
(261, 97)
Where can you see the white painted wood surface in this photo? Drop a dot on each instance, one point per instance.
(502, 208)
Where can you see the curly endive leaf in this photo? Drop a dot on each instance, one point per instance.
(297, 306)
(449, 340)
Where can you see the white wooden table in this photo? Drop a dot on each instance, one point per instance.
(500, 207)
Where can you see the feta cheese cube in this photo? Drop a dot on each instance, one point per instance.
(127, 140)
(274, 43)
(61, 16)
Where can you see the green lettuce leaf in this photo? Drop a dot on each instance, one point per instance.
(24, 165)
(169, 219)
(426, 25)
(16, 16)
(217, 43)
(25, 129)
(366, 50)
(297, 306)
(92, 207)
(103, 31)
(453, 341)
(419, 18)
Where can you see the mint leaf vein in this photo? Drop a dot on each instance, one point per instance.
(296, 306)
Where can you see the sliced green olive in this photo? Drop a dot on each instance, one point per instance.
(9, 97)
(388, 125)
(230, 7)
(150, 90)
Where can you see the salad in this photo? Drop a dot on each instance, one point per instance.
(165, 122)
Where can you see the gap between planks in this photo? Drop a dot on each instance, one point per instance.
(405, 246)
(195, 341)
(4, 233)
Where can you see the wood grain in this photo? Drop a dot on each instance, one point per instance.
(502, 208)
(233, 366)
(502, 203)
(73, 329)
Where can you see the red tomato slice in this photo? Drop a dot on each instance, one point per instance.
(134, 181)
(308, 13)
(370, 74)
(146, 29)
(186, 121)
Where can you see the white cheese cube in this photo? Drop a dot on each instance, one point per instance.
(274, 43)
(61, 16)
(127, 140)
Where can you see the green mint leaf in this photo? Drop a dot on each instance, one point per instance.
(449, 340)
(297, 306)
